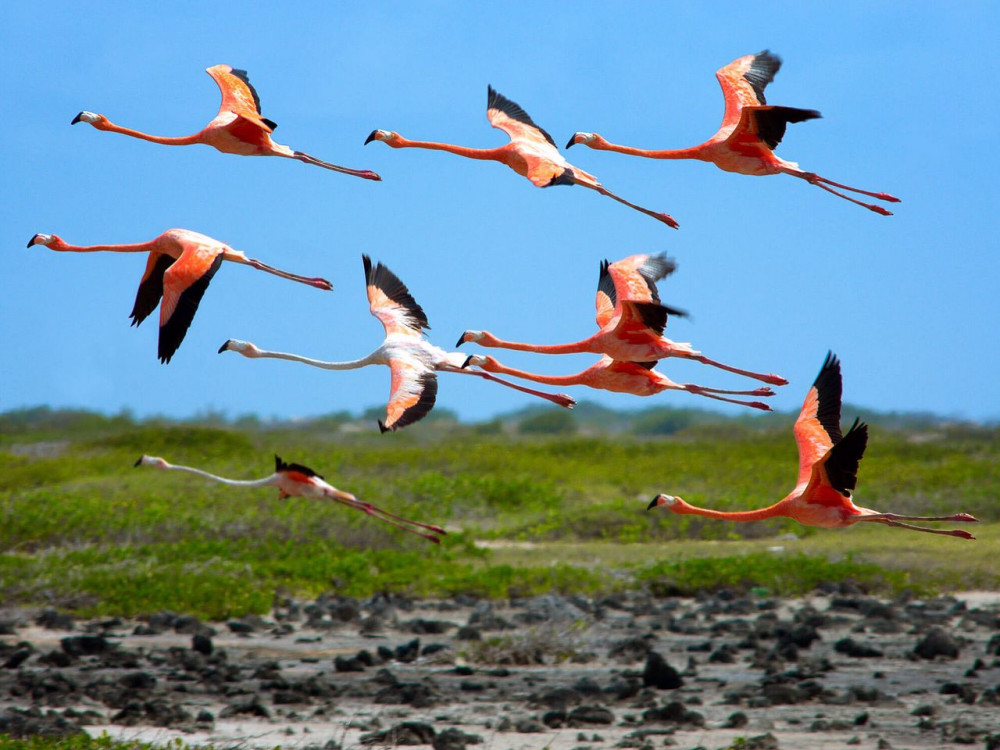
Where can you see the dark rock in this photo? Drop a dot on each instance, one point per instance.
(782, 693)
(26, 724)
(8, 627)
(761, 742)
(736, 720)
(557, 698)
(850, 647)
(202, 644)
(58, 659)
(53, 620)
(427, 627)
(19, 656)
(587, 686)
(433, 648)
(555, 719)
(659, 674)
(631, 649)
(414, 694)
(240, 627)
(453, 738)
(724, 654)
(348, 664)
(590, 715)
(471, 686)
(468, 633)
(158, 712)
(247, 707)
(191, 625)
(528, 725)
(673, 713)
(161, 621)
(408, 652)
(406, 733)
(85, 645)
(549, 608)
(205, 717)
(937, 642)
(137, 681)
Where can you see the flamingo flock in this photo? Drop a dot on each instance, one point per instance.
(631, 318)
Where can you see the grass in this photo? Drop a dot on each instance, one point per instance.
(83, 530)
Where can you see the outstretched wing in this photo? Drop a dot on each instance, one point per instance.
(391, 302)
(634, 279)
(641, 318)
(151, 287)
(817, 428)
(767, 124)
(743, 82)
(238, 96)
(839, 467)
(184, 284)
(514, 121)
(411, 395)
(282, 467)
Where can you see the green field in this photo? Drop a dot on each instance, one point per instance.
(558, 500)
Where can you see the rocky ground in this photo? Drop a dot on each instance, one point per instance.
(568, 673)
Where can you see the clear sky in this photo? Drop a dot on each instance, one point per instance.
(774, 271)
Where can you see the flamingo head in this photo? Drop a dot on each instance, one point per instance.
(474, 360)
(92, 117)
(472, 336)
(240, 347)
(154, 461)
(42, 239)
(582, 138)
(381, 135)
(671, 501)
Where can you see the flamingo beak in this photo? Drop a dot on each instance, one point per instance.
(77, 119)
(138, 462)
(467, 360)
(224, 347)
(572, 141)
(654, 502)
(372, 137)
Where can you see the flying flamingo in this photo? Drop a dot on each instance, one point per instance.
(531, 152)
(637, 378)
(296, 480)
(181, 264)
(239, 127)
(750, 131)
(413, 360)
(630, 318)
(828, 471)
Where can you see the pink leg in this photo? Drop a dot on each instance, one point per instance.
(560, 399)
(946, 532)
(401, 523)
(752, 404)
(821, 182)
(665, 218)
(772, 379)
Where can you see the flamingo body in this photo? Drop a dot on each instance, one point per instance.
(828, 471)
(531, 152)
(631, 320)
(238, 128)
(180, 266)
(750, 131)
(296, 480)
(411, 358)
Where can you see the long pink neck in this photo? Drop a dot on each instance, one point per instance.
(577, 379)
(573, 348)
(679, 153)
(138, 247)
(494, 154)
(760, 514)
(183, 140)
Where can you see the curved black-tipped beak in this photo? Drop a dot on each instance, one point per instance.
(137, 463)
(372, 137)
(572, 140)
(76, 119)
(32, 240)
(653, 503)
(224, 347)
(381, 427)
(461, 340)
(467, 360)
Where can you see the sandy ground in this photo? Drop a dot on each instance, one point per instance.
(551, 672)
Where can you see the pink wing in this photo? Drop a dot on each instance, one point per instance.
(391, 302)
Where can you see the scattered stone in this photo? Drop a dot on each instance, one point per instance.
(20, 655)
(674, 713)
(85, 645)
(736, 720)
(850, 647)
(937, 642)
(406, 733)
(247, 707)
(414, 694)
(453, 738)
(659, 674)
(528, 726)
(427, 627)
(31, 723)
(590, 715)
(408, 652)
(53, 620)
(348, 664)
(202, 644)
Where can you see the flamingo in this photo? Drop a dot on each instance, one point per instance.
(828, 471)
(630, 319)
(239, 127)
(751, 130)
(413, 360)
(180, 266)
(531, 152)
(637, 378)
(296, 480)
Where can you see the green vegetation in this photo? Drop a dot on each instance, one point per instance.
(85, 742)
(81, 529)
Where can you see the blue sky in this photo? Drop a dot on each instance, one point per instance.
(774, 271)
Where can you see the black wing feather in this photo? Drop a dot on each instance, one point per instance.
(513, 110)
(150, 291)
(829, 389)
(428, 395)
(843, 458)
(280, 466)
(762, 71)
(606, 284)
(652, 314)
(385, 280)
(771, 122)
(172, 333)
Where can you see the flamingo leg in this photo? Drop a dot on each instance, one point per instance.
(392, 519)
(767, 378)
(946, 532)
(560, 399)
(752, 404)
(665, 218)
(363, 173)
(822, 182)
